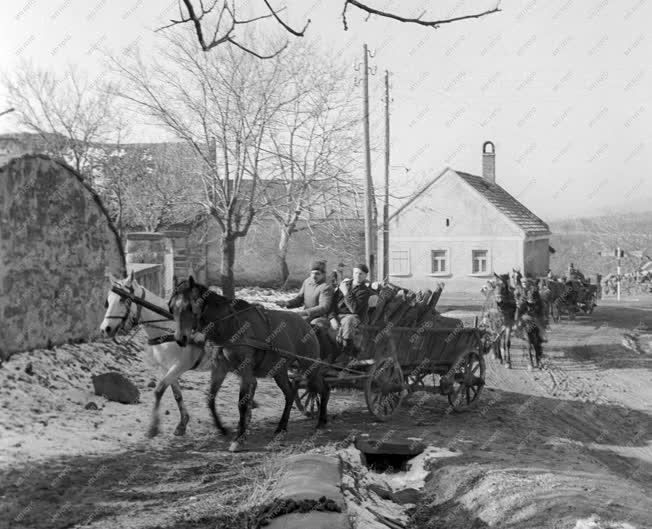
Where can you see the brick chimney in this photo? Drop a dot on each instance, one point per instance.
(489, 162)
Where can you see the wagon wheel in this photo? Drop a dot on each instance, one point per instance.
(307, 402)
(467, 377)
(385, 389)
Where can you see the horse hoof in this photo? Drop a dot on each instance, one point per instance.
(153, 431)
(180, 431)
(508, 365)
(530, 367)
(321, 425)
(225, 431)
(235, 447)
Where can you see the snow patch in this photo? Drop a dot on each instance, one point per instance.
(595, 522)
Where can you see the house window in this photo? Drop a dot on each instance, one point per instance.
(479, 261)
(448, 222)
(400, 262)
(438, 259)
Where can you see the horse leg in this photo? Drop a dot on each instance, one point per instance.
(185, 417)
(538, 349)
(248, 385)
(325, 394)
(171, 377)
(317, 384)
(288, 388)
(495, 347)
(508, 345)
(218, 374)
(530, 343)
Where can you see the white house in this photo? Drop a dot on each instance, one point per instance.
(460, 229)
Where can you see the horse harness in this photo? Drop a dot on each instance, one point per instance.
(123, 319)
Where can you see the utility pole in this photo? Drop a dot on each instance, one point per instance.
(368, 217)
(386, 204)
(618, 253)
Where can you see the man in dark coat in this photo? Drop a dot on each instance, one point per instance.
(350, 306)
(316, 296)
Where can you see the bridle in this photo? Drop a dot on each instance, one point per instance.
(125, 317)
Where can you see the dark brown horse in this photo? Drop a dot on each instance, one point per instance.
(558, 297)
(531, 317)
(506, 303)
(253, 343)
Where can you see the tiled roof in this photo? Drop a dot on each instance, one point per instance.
(507, 204)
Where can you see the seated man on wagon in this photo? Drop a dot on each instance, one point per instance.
(350, 305)
(316, 297)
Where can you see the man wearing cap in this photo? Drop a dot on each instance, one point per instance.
(316, 296)
(350, 306)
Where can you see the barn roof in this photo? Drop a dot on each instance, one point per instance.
(496, 196)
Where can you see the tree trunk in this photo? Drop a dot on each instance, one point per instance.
(226, 274)
(281, 256)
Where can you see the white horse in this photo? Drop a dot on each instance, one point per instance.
(174, 361)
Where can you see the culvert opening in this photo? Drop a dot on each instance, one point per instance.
(388, 455)
(382, 463)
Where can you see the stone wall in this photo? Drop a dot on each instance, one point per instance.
(56, 245)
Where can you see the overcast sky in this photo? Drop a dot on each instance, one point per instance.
(562, 87)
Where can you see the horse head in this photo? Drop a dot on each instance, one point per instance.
(120, 313)
(196, 308)
(503, 291)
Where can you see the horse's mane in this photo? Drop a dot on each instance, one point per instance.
(206, 292)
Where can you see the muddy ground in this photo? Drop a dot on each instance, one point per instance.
(569, 446)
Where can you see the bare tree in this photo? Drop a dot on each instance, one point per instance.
(70, 112)
(115, 167)
(221, 28)
(221, 106)
(158, 194)
(311, 146)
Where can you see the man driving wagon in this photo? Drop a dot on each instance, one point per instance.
(316, 297)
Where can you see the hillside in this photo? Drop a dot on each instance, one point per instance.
(579, 241)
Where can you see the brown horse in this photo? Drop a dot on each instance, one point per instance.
(254, 343)
(506, 303)
(530, 316)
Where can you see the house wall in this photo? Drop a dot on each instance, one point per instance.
(474, 224)
(256, 262)
(536, 256)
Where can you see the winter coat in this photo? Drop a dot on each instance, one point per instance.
(316, 298)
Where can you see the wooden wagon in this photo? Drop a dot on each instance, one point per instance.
(435, 354)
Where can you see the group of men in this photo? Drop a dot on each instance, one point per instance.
(341, 308)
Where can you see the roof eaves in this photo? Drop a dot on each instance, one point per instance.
(420, 192)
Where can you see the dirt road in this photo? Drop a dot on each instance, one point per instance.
(566, 447)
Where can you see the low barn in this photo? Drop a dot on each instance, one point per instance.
(56, 244)
(461, 228)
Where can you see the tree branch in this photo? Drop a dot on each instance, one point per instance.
(429, 23)
(285, 26)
